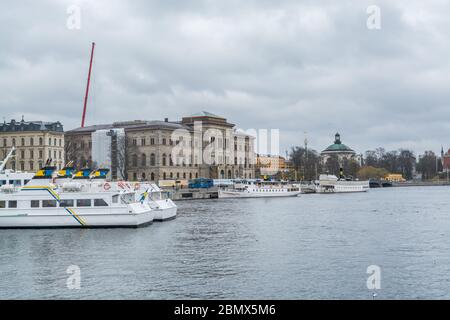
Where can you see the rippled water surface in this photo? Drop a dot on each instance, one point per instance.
(313, 246)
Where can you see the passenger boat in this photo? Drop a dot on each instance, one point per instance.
(62, 201)
(259, 189)
(163, 207)
(331, 184)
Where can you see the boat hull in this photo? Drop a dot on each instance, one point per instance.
(25, 219)
(244, 194)
(166, 210)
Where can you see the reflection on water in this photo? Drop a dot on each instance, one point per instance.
(314, 246)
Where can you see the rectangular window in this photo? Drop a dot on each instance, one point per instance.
(115, 198)
(83, 202)
(12, 204)
(48, 203)
(100, 203)
(2, 204)
(66, 203)
(35, 203)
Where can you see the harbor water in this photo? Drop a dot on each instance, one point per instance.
(314, 246)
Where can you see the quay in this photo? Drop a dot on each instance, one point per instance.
(191, 193)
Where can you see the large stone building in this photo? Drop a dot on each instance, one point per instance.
(35, 142)
(340, 151)
(202, 145)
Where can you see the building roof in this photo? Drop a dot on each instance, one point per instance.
(131, 125)
(28, 126)
(338, 146)
(206, 114)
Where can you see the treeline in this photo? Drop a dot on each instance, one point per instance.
(307, 164)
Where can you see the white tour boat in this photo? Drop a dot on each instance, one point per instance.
(331, 184)
(63, 201)
(259, 189)
(163, 207)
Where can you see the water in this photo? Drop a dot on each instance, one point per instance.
(314, 246)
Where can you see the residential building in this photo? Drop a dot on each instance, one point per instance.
(35, 142)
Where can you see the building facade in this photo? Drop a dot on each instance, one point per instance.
(35, 143)
(340, 151)
(268, 165)
(202, 145)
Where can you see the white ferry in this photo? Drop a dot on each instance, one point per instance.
(259, 189)
(49, 201)
(331, 184)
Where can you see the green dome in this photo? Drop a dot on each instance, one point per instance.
(338, 145)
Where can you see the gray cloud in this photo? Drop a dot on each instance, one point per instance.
(294, 65)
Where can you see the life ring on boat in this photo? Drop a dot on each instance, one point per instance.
(106, 186)
(137, 186)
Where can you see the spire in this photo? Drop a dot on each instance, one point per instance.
(337, 138)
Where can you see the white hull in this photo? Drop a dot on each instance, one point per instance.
(29, 219)
(249, 194)
(166, 210)
(342, 189)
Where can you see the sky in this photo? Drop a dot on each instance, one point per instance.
(309, 68)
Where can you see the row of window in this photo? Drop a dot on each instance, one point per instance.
(185, 176)
(56, 154)
(54, 203)
(31, 142)
(164, 141)
(142, 160)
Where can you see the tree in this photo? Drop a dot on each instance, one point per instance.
(369, 172)
(305, 162)
(428, 165)
(332, 165)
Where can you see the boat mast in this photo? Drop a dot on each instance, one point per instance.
(3, 163)
(87, 86)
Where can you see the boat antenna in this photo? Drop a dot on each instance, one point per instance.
(87, 86)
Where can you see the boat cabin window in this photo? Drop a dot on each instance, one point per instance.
(100, 203)
(83, 202)
(66, 203)
(2, 182)
(34, 203)
(2, 204)
(48, 203)
(12, 204)
(115, 198)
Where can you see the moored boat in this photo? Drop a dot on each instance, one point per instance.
(331, 184)
(259, 189)
(44, 202)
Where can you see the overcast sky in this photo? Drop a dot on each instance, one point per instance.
(298, 66)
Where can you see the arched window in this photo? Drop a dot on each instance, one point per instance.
(190, 175)
(171, 175)
(222, 174)
(134, 160)
(164, 159)
(196, 175)
(184, 175)
(152, 159)
(143, 160)
(143, 176)
(152, 176)
(40, 141)
(229, 174)
(178, 175)
(164, 175)
(170, 160)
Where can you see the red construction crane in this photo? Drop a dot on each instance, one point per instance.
(87, 86)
